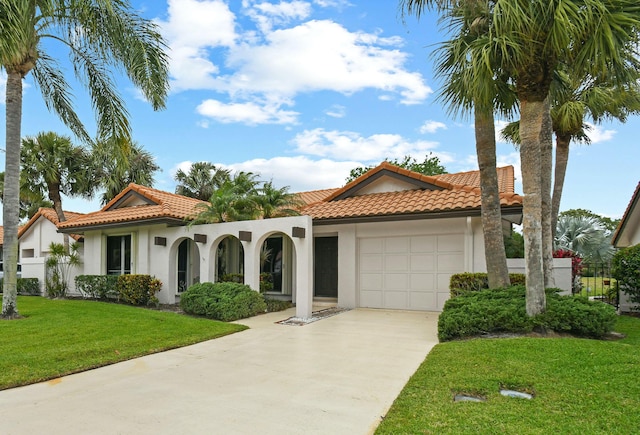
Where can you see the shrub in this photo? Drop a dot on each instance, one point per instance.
(576, 267)
(58, 267)
(462, 283)
(504, 311)
(28, 286)
(625, 267)
(138, 289)
(266, 283)
(274, 305)
(224, 301)
(97, 286)
(232, 277)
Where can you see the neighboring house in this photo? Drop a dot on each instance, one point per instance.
(35, 237)
(628, 234)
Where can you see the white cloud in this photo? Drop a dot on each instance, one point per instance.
(194, 28)
(336, 111)
(267, 15)
(597, 134)
(499, 125)
(350, 145)
(299, 173)
(247, 113)
(432, 126)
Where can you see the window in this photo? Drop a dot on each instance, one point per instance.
(119, 255)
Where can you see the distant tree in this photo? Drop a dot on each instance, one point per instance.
(430, 166)
(116, 164)
(585, 236)
(514, 245)
(274, 202)
(234, 200)
(30, 200)
(608, 223)
(201, 180)
(52, 164)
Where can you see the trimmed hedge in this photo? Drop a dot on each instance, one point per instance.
(25, 286)
(224, 301)
(625, 267)
(462, 283)
(504, 311)
(97, 286)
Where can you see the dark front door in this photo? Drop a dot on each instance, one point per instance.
(325, 254)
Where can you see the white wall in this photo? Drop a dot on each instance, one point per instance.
(561, 271)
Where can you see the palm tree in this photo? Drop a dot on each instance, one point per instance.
(52, 164)
(526, 41)
(201, 180)
(234, 200)
(585, 236)
(116, 165)
(98, 36)
(274, 202)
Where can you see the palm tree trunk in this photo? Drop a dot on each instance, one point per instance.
(11, 199)
(54, 196)
(530, 127)
(546, 166)
(495, 257)
(562, 160)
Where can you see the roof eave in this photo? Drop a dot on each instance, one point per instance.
(169, 221)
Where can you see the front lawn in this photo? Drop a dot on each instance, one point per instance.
(580, 386)
(59, 337)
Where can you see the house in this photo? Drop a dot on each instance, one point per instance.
(36, 236)
(389, 239)
(628, 234)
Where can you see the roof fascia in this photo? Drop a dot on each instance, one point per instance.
(386, 173)
(135, 223)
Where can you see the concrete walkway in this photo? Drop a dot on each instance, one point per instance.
(338, 375)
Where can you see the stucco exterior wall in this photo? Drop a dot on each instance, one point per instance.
(561, 271)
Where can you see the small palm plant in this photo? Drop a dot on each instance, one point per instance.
(59, 264)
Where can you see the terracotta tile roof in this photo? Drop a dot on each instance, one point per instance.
(472, 178)
(163, 206)
(51, 215)
(313, 196)
(455, 192)
(635, 198)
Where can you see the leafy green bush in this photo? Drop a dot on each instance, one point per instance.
(97, 286)
(138, 289)
(274, 305)
(25, 286)
(504, 311)
(28, 286)
(224, 301)
(232, 277)
(462, 283)
(625, 267)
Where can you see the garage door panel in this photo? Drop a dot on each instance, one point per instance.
(396, 244)
(408, 272)
(371, 246)
(423, 244)
(450, 262)
(371, 299)
(371, 263)
(371, 281)
(450, 242)
(395, 281)
(396, 263)
(423, 263)
(395, 299)
(423, 301)
(422, 282)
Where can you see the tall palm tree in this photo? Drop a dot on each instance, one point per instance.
(527, 40)
(201, 180)
(51, 163)
(116, 165)
(98, 35)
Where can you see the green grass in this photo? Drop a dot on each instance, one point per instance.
(59, 337)
(580, 386)
(596, 284)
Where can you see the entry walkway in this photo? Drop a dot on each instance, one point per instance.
(338, 375)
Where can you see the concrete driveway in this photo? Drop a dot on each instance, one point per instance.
(338, 375)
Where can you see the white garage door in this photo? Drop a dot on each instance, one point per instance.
(410, 273)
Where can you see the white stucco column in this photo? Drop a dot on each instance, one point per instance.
(304, 275)
(251, 266)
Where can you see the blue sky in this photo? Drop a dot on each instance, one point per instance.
(302, 91)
